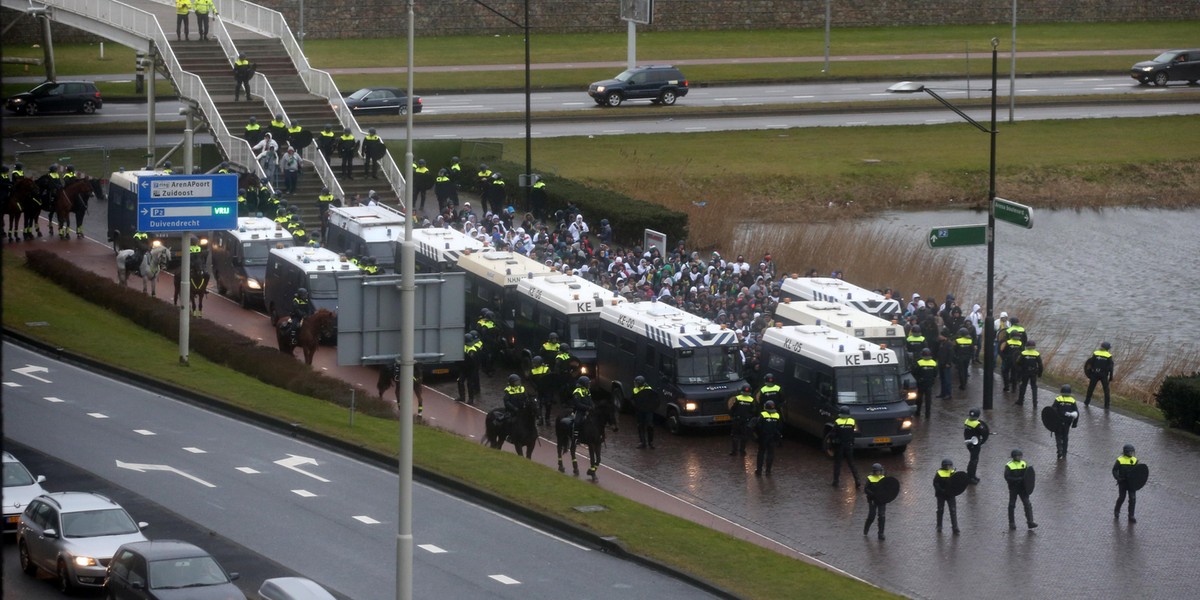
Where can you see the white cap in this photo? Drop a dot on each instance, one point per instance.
(916, 295)
(1003, 315)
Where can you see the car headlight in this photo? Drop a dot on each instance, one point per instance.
(85, 561)
(1147, 69)
(253, 283)
(690, 406)
(583, 370)
(599, 88)
(18, 100)
(906, 424)
(912, 395)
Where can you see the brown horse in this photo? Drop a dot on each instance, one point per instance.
(24, 198)
(390, 373)
(74, 199)
(320, 322)
(197, 290)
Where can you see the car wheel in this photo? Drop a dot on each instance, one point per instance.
(1161, 78)
(667, 97)
(613, 99)
(674, 425)
(31, 109)
(403, 110)
(27, 565)
(63, 579)
(89, 107)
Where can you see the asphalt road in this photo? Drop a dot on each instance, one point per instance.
(276, 496)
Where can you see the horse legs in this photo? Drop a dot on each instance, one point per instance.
(594, 456)
(574, 457)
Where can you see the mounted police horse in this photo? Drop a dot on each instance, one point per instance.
(315, 326)
(520, 429)
(153, 262)
(74, 199)
(23, 203)
(197, 290)
(591, 434)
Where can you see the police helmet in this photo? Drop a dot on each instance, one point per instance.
(54, 168)
(1031, 344)
(769, 405)
(1013, 321)
(639, 380)
(1016, 453)
(224, 165)
(18, 166)
(514, 378)
(962, 331)
(1106, 345)
(453, 159)
(279, 117)
(1065, 389)
(328, 126)
(474, 334)
(583, 381)
(973, 413)
(467, 337)
(166, 164)
(487, 313)
(947, 463)
(70, 168)
(324, 190)
(420, 162)
(537, 360)
(483, 167)
(845, 410)
(746, 387)
(878, 468)
(770, 377)
(926, 352)
(241, 55)
(281, 211)
(253, 119)
(371, 131)
(916, 329)
(553, 336)
(302, 292)
(496, 175)
(1127, 450)
(345, 131)
(443, 172)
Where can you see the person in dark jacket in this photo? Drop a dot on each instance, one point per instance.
(873, 507)
(540, 376)
(768, 427)
(1068, 414)
(443, 189)
(423, 181)
(964, 352)
(326, 141)
(495, 195)
(973, 436)
(582, 404)
(347, 147)
(1099, 369)
(1120, 472)
(645, 403)
(243, 71)
(373, 150)
(1014, 475)
(944, 351)
(468, 372)
(925, 370)
(1029, 368)
(741, 410)
(844, 430)
(515, 397)
(941, 490)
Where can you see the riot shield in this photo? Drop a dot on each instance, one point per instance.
(958, 483)
(1136, 476)
(984, 433)
(887, 490)
(1030, 479)
(1050, 419)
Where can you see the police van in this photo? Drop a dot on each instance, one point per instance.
(821, 370)
(239, 257)
(694, 363)
(362, 231)
(315, 269)
(438, 249)
(850, 321)
(123, 217)
(565, 305)
(491, 282)
(837, 290)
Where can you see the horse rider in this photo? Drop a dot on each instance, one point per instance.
(69, 176)
(769, 428)
(645, 403)
(539, 375)
(741, 410)
(301, 307)
(581, 403)
(18, 172)
(141, 245)
(514, 399)
(50, 184)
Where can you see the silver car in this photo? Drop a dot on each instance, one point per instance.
(19, 489)
(74, 536)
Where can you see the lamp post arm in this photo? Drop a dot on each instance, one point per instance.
(499, 14)
(956, 110)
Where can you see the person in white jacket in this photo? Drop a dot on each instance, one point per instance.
(976, 318)
(266, 151)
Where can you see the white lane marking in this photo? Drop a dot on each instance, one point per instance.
(195, 450)
(856, 123)
(28, 371)
(573, 103)
(431, 549)
(143, 468)
(248, 470)
(366, 519)
(53, 399)
(1104, 88)
(612, 131)
(304, 493)
(695, 129)
(98, 415)
(293, 462)
(12, 384)
(505, 579)
(143, 432)
(802, 97)
(732, 99)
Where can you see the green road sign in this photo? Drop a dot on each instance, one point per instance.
(958, 235)
(1011, 212)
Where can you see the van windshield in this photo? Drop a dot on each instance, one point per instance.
(322, 285)
(256, 253)
(868, 385)
(381, 251)
(583, 330)
(712, 364)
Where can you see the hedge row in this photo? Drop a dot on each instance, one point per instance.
(213, 342)
(1179, 400)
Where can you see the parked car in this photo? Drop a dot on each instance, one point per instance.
(60, 96)
(661, 84)
(168, 570)
(1172, 65)
(381, 101)
(73, 535)
(19, 489)
(292, 588)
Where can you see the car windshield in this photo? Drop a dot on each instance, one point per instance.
(186, 572)
(16, 475)
(1166, 57)
(868, 385)
(360, 94)
(92, 523)
(625, 75)
(709, 364)
(583, 330)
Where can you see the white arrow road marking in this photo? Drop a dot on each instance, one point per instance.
(195, 450)
(431, 549)
(366, 519)
(505, 579)
(28, 371)
(12, 384)
(144, 432)
(170, 469)
(248, 470)
(304, 493)
(98, 415)
(293, 462)
(53, 399)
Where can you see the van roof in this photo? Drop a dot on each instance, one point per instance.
(261, 228)
(838, 317)
(445, 245)
(568, 294)
(666, 324)
(839, 290)
(377, 223)
(829, 347)
(503, 268)
(314, 260)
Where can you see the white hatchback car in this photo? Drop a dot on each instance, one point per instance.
(19, 489)
(74, 535)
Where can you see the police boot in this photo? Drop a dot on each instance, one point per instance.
(1131, 518)
(1012, 522)
(881, 521)
(939, 520)
(641, 436)
(867, 527)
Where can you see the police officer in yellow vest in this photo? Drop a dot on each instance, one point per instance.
(926, 373)
(538, 200)
(1120, 472)
(1029, 368)
(645, 403)
(422, 182)
(540, 376)
(1099, 369)
(582, 404)
(769, 429)
(347, 146)
(1068, 414)
(324, 202)
(443, 190)
(242, 72)
(770, 392)
(550, 347)
(182, 8)
(203, 9)
(915, 342)
(1014, 342)
(964, 352)
(455, 172)
(373, 150)
(741, 410)
(252, 132)
(514, 398)
(1014, 475)
(844, 430)
(489, 336)
(941, 490)
(468, 372)
(18, 171)
(877, 475)
(326, 139)
(974, 436)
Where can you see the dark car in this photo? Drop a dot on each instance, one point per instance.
(1172, 65)
(661, 84)
(60, 96)
(381, 101)
(168, 570)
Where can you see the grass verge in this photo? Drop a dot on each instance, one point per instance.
(38, 308)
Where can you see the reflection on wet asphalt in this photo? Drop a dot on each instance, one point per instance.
(1078, 550)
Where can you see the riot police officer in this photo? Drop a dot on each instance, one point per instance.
(540, 375)
(974, 435)
(770, 392)
(941, 490)
(1099, 369)
(844, 429)
(490, 338)
(741, 410)
(645, 403)
(301, 307)
(1029, 368)
(581, 404)
(926, 373)
(769, 429)
(1120, 472)
(468, 374)
(873, 507)
(1014, 475)
(514, 397)
(1068, 415)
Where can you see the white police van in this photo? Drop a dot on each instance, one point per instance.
(821, 370)
(315, 269)
(362, 231)
(438, 249)
(694, 363)
(850, 321)
(838, 290)
(491, 282)
(565, 305)
(239, 257)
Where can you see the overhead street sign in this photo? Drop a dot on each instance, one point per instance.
(958, 235)
(177, 203)
(1011, 212)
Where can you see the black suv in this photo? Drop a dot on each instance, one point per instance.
(60, 96)
(661, 84)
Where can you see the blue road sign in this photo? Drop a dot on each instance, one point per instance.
(176, 203)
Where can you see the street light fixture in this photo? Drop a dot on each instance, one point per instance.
(989, 331)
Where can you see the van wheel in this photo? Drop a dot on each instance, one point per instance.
(899, 449)
(613, 99)
(827, 445)
(674, 425)
(667, 98)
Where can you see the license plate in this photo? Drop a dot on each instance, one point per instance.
(13, 519)
(720, 418)
(441, 371)
(883, 440)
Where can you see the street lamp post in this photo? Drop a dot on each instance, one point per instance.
(989, 331)
(528, 90)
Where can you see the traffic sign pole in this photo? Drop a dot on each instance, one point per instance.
(183, 284)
